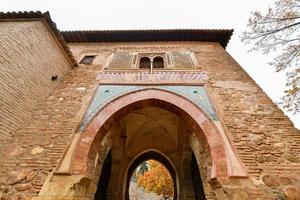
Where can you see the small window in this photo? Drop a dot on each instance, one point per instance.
(87, 60)
(158, 62)
(145, 62)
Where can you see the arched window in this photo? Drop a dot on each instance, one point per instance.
(158, 62)
(145, 62)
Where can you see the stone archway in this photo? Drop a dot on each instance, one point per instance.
(224, 159)
(151, 154)
(82, 156)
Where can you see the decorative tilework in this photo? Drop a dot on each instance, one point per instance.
(197, 94)
(182, 59)
(106, 93)
(120, 60)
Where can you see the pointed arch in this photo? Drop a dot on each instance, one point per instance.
(224, 159)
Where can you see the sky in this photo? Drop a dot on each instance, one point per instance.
(167, 14)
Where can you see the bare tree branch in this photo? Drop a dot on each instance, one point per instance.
(279, 29)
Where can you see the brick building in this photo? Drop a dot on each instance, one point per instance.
(80, 110)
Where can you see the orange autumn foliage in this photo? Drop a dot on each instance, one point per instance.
(157, 179)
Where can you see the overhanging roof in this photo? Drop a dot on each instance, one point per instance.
(37, 15)
(221, 36)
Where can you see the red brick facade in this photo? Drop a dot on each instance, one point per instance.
(26, 71)
(40, 118)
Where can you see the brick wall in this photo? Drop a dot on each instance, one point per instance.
(263, 136)
(265, 139)
(38, 146)
(29, 57)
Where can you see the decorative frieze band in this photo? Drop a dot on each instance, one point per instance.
(161, 77)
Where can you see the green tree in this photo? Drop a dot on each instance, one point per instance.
(143, 167)
(278, 30)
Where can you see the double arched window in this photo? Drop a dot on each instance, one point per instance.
(151, 63)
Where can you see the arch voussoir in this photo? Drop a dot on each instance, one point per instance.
(125, 103)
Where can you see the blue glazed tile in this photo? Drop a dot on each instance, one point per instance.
(106, 93)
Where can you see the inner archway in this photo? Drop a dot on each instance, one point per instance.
(151, 180)
(155, 156)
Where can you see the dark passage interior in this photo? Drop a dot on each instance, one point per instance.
(197, 182)
(104, 178)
